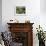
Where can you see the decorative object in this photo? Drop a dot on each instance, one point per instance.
(13, 21)
(41, 36)
(27, 21)
(20, 10)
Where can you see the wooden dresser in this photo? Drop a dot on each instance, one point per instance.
(22, 33)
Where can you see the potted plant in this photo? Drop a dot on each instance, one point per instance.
(41, 36)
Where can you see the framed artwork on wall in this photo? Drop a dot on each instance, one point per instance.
(20, 10)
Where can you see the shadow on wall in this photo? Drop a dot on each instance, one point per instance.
(43, 6)
(0, 15)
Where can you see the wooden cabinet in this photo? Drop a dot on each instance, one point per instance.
(22, 33)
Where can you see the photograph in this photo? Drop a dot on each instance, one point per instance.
(20, 10)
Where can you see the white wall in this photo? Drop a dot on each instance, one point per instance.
(43, 6)
(33, 13)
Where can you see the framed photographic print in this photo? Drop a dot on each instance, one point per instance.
(20, 10)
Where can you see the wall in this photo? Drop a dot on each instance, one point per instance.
(32, 10)
(0, 15)
(33, 13)
(43, 6)
(43, 14)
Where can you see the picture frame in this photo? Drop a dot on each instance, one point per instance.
(20, 10)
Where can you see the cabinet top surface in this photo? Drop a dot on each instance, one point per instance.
(19, 23)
